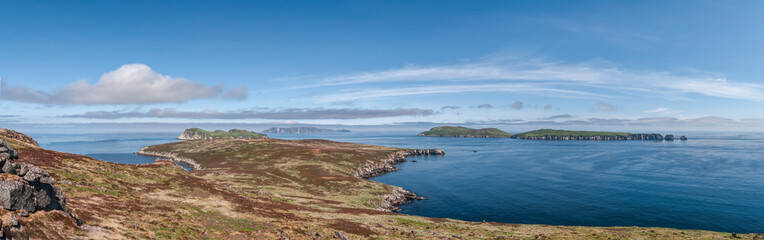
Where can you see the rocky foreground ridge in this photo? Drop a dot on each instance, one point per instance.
(26, 188)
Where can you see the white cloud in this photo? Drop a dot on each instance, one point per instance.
(657, 110)
(129, 84)
(500, 75)
(410, 91)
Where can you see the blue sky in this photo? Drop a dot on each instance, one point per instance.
(513, 64)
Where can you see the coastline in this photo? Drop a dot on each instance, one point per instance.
(398, 196)
(170, 156)
(390, 201)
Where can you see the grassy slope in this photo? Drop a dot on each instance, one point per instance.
(450, 131)
(262, 189)
(552, 132)
(233, 133)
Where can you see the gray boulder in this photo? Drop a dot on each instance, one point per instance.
(16, 194)
(35, 174)
(26, 187)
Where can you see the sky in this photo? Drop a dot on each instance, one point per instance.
(616, 65)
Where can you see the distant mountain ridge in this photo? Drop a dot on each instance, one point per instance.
(302, 130)
(198, 133)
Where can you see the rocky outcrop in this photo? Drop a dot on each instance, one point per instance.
(683, 138)
(376, 168)
(172, 157)
(27, 188)
(669, 137)
(637, 136)
(20, 137)
(398, 196)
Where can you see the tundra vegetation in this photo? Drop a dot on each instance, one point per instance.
(258, 189)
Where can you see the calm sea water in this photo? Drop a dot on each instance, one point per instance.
(712, 182)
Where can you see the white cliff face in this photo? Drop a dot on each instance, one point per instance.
(189, 135)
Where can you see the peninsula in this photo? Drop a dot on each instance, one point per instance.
(302, 130)
(456, 131)
(198, 133)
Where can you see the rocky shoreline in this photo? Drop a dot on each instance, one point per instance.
(639, 136)
(399, 195)
(170, 156)
(376, 168)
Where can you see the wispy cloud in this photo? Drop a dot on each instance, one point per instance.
(601, 106)
(517, 105)
(483, 106)
(450, 107)
(238, 93)
(539, 76)
(410, 91)
(129, 84)
(555, 117)
(281, 114)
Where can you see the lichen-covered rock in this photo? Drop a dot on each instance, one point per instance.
(35, 174)
(16, 193)
(26, 187)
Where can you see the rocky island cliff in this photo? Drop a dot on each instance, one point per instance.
(198, 133)
(562, 135)
(544, 134)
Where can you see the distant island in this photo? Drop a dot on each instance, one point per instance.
(302, 130)
(544, 134)
(452, 131)
(198, 133)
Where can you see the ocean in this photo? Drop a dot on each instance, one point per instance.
(713, 181)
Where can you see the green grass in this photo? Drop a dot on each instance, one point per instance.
(233, 133)
(452, 131)
(566, 133)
